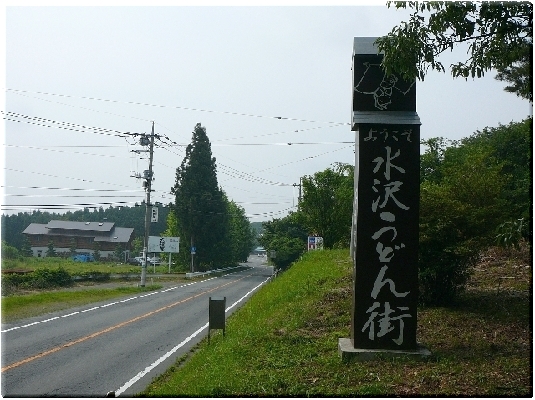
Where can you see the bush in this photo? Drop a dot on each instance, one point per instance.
(9, 252)
(48, 278)
(446, 250)
(288, 250)
(511, 233)
(444, 269)
(42, 278)
(460, 209)
(10, 283)
(94, 275)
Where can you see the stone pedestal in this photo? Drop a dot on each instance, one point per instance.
(349, 354)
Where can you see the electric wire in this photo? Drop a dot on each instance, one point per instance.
(175, 107)
(76, 189)
(49, 123)
(168, 142)
(66, 177)
(80, 107)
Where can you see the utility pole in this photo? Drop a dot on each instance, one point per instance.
(147, 175)
(192, 254)
(294, 185)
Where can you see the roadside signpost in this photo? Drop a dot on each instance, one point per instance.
(164, 244)
(386, 209)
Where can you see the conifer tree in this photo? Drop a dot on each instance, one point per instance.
(200, 206)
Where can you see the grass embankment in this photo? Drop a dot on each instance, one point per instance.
(34, 304)
(284, 341)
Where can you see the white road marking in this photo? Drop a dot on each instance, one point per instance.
(178, 346)
(105, 305)
(89, 309)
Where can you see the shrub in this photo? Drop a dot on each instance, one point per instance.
(10, 283)
(9, 252)
(94, 275)
(446, 251)
(41, 278)
(44, 278)
(459, 213)
(510, 233)
(288, 250)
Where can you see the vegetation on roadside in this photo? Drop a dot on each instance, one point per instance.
(34, 304)
(284, 340)
(22, 274)
(474, 193)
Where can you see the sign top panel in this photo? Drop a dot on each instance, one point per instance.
(365, 45)
(373, 90)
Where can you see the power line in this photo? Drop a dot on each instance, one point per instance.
(268, 144)
(280, 133)
(83, 108)
(61, 151)
(234, 173)
(77, 189)
(304, 159)
(15, 117)
(175, 107)
(65, 206)
(65, 177)
(68, 195)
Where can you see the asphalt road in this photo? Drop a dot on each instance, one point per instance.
(116, 346)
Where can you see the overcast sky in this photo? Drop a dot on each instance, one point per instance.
(232, 69)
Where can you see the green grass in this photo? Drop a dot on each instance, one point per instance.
(31, 305)
(284, 342)
(32, 263)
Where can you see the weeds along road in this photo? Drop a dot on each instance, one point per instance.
(120, 345)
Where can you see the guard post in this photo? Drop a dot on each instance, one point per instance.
(216, 314)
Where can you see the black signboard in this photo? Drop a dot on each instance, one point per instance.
(373, 90)
(385, 292)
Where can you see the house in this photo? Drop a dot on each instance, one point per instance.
(85, 237)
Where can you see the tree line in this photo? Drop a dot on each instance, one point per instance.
(125, 216)
(202, 216)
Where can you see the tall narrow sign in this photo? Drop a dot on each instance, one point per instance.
(385, 221)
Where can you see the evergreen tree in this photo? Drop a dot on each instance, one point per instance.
(26, 249)
(172, 231)
(118, 253)
(72, 247)
(96, 251)
(200, 206)
(51, 252)
(137, 246)
(287, 236)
